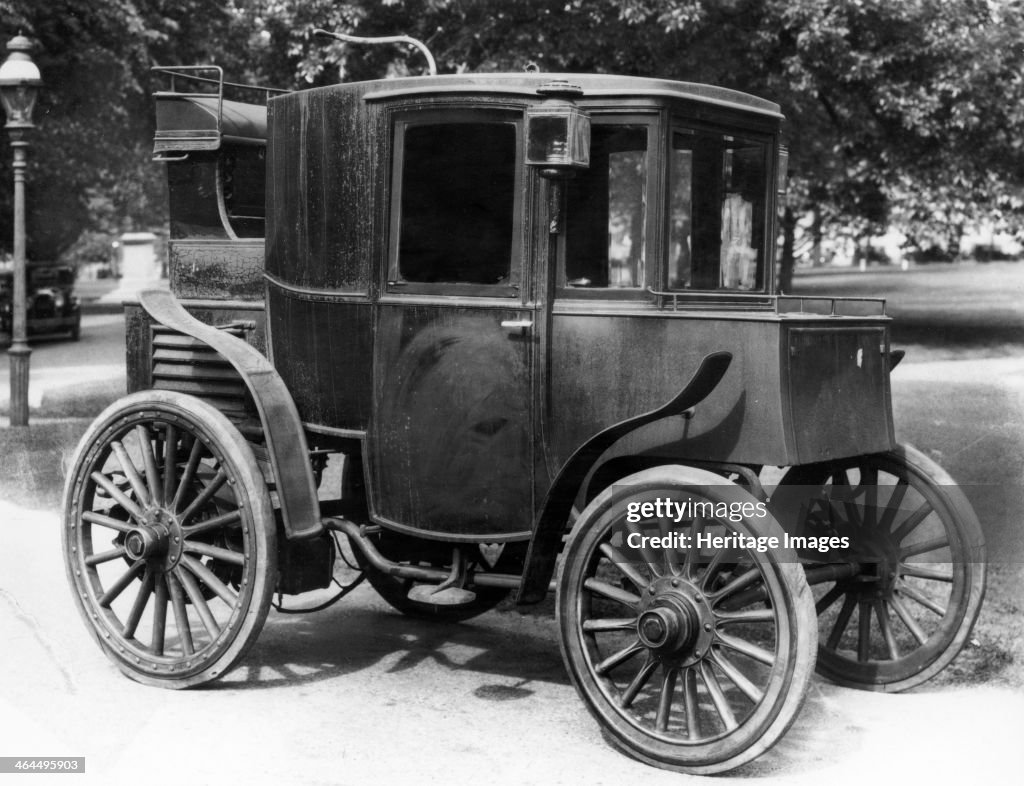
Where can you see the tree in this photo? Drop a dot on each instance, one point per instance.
(89, 162)
(900, 113)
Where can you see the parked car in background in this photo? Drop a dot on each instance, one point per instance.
(51, 306)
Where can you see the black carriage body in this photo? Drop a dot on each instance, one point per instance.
(462, 323)
(468, 417)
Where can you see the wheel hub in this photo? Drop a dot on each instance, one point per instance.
(158, 540)
(676, 623)
(146, 542)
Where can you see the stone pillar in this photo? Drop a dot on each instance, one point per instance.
(140, 269)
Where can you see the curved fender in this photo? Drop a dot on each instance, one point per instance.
(282, 427)
(550, 524)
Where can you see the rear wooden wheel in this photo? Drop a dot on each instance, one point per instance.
(694, 660)
(921, 554)
(169, 539)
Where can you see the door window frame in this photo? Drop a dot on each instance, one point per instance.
(454, 115)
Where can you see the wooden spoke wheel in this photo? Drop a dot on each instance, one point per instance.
(920, 554)
(695, 660)
(436, 554)
(169, 539)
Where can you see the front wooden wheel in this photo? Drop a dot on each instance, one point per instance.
(692, 659)
(921, 553)
(169, 539)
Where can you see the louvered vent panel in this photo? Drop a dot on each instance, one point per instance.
(187, 365)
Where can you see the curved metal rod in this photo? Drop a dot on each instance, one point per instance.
(388, 39)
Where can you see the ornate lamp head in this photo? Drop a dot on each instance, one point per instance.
(19, 83)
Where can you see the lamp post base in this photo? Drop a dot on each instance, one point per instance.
(19, 360)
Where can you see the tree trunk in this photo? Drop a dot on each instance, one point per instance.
(787, 262)
(816, 237)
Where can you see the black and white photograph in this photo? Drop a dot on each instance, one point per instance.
(576, 392)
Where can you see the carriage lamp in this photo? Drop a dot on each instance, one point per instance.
(782, 171)
(19, 84)
(558, 131)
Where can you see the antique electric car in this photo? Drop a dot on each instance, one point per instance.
(51, 305)
(515, 333)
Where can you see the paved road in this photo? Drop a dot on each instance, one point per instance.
(358, 695)
(61, 371)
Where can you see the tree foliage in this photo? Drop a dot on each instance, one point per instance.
(898, 113)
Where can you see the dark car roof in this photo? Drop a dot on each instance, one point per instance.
(592, 85)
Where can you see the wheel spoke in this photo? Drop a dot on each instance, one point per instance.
(649, 555)
(180, 614)
(922, 600)
(619, 560)
(210, 580)
(892, 507)
(841, 622)
(104, 556)
(746, 687)
(139, 606)
(717, 696)
(712, 569)
(613, 593)
(692, 553)
(619, 657)
(609, 624)
(670, 555)
(186, 476)
(924, 547)
(668, 687)
(170, 460)
(738, 583)
(863, 631)
(748, 615)
(690, 703)
(853, 516)
(218, 553)
(925, 573)
(159, 614)
(869, 482)
(207, 494)
(910, 622)
(149, 461)
(131, 473)
(107, 521)
(747, 648)
(230, 519)
(912, 522)
(882, 612)
(121, 584)
(638, 682)
(829, 598)
(196, 596)
(122, 499)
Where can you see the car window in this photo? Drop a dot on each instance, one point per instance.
(457, 204)
(606, 211)
(717, 212)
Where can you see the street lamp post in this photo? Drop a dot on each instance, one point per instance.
(19, 82)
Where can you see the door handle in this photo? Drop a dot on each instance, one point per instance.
(513, 324)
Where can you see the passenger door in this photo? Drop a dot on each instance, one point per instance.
(450, 453)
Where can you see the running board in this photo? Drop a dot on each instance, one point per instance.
(357, 537)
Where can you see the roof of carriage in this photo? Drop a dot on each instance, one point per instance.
(526, 84)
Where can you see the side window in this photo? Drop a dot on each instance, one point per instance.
(606, 211)
(456, 209)
(716, 212)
